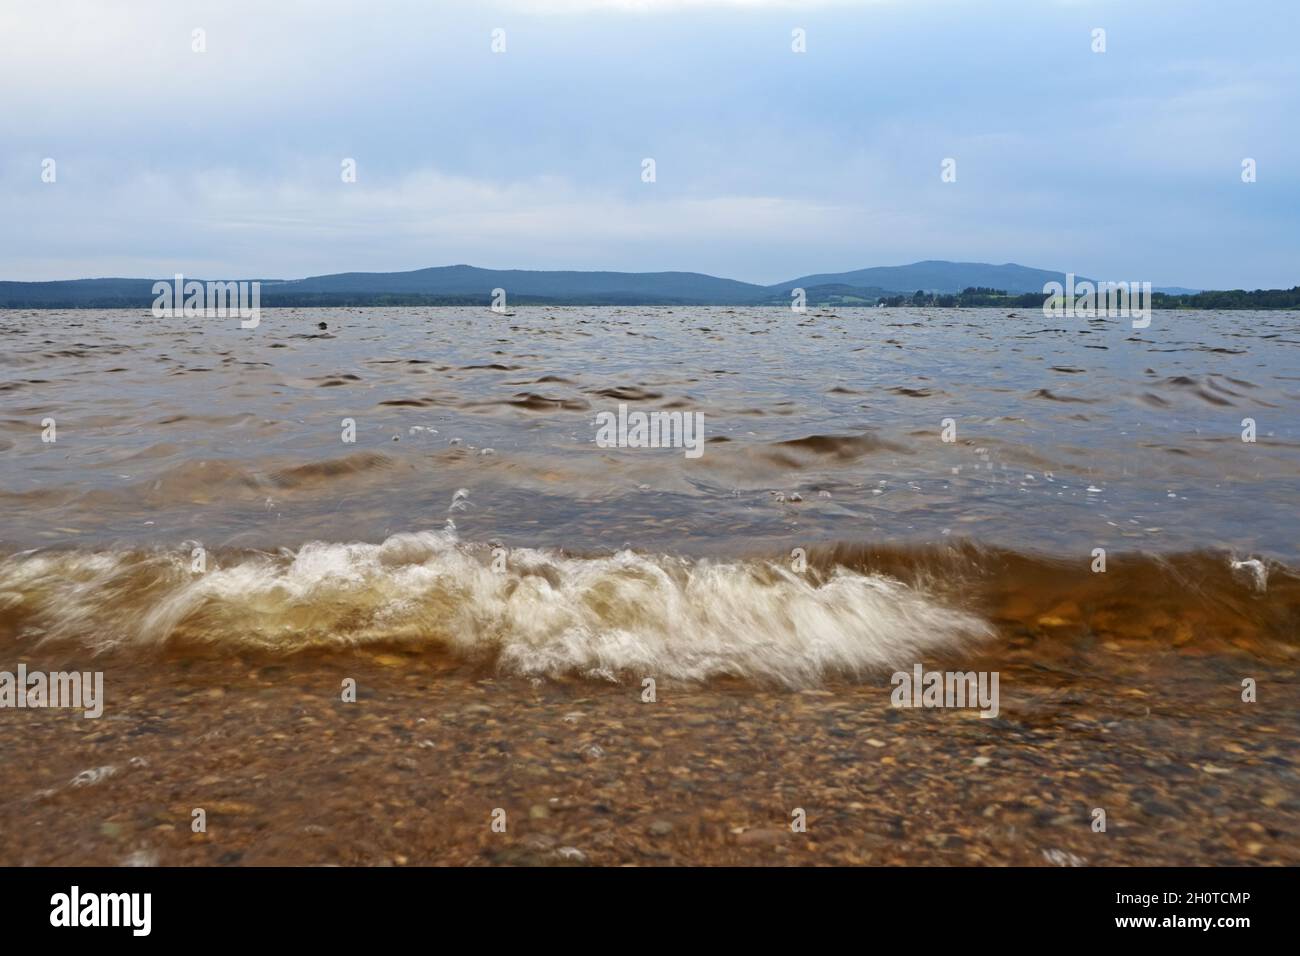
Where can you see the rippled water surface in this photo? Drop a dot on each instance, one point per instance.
(1071, 434)
(477, 431)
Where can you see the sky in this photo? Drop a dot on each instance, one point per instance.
(1122, 165)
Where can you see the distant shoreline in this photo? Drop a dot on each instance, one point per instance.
(922, 284)
(933, 282)
(1281, 300)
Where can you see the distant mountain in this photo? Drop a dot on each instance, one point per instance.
(604, 287)
(77, 294)
(935, 275)
(469, 285)
(460, 284)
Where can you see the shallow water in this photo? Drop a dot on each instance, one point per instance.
(200, 532)
(476, 433)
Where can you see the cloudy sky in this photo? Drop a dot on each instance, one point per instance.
(770, 164)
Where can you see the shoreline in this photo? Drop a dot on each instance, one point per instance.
(588, 773)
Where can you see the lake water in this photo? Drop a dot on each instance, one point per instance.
(433, 476)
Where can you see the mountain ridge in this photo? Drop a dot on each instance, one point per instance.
(467, 284)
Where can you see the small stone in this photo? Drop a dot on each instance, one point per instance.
(1157, 809)
(764, 836)
(230, 807)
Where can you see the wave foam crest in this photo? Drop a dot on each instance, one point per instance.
(544, 614)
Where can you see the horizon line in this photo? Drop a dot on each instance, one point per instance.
(684, 272)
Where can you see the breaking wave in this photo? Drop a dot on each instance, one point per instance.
(541, 614)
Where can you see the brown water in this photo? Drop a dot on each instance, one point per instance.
(474, 433)
(498, 585)
(1069, 435)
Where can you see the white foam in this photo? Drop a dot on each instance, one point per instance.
(622, 616)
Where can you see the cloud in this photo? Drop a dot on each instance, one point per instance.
(677, 6)
(770, 163)
(222, 221)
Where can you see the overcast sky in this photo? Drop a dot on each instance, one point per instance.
(770, 164)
